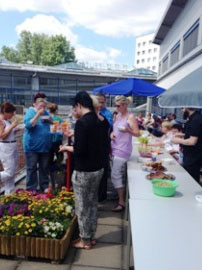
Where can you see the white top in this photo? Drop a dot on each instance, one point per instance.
(11, 136)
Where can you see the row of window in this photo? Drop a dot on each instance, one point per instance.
(181, 48)
(146, 60)
(143, 43)
(149, 51)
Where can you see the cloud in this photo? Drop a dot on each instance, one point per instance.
(117, 18)
(51, 26)
(47, 25)
(84, 54)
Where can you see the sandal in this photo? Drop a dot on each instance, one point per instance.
(93, 242)
(119, 208)
(82, 245)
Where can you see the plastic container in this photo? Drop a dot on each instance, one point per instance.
(164, 188)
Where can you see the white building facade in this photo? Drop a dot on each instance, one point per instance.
(146, 53)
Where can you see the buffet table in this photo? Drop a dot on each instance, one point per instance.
(166, 231)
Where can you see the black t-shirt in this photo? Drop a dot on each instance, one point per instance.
(88, 143)
(193, 127)
(106, 142)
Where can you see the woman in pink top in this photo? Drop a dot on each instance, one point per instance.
(124, 128)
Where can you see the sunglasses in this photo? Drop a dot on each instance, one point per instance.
(118, 106)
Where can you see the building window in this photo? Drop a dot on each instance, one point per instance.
(155, 49)
(190, 38)
(153, 67)
(148, 59)
(142, 60)
(174, 54)
(159, 68)
(138, 53)
(165, 63)
(138, 61)
(143, 43)
(143, 52)
(154, 58)
(148, 67)
(139, 44)
(149, 51)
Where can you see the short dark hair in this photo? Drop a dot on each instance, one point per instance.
(101, 95)
(39, 95)
(8, 107)
(177, 126)
(53, 107)
(84, 99)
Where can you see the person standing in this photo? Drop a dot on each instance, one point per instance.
(88, 169)
(56, 142)
(37, 144)
(8, 147)
(124, 128)
(191, 142)
(103, 110)
(106, 147)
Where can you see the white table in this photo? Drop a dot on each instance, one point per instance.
(166, 231)
(166, 236)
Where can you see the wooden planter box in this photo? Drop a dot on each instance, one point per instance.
(53, 249)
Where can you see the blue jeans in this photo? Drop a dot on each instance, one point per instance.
(32, 160)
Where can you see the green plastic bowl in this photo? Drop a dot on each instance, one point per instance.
(165, 188)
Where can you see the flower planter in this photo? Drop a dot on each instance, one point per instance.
(53, 249)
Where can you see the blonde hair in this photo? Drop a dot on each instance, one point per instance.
(38, 100)
(124, 100)
(167, 124)
(95, 102)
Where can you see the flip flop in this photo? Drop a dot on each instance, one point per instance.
(119, 208)
(93, 242)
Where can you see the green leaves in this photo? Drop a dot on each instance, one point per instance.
(40, 49)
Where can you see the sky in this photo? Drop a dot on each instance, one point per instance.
(101, 31)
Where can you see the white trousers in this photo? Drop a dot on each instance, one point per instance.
(9, 159)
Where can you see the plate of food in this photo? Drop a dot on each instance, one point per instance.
(160, 175)
(154, 166)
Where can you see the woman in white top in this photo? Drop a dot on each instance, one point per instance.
(8, 146)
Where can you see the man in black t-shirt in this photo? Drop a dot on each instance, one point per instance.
(192, 143)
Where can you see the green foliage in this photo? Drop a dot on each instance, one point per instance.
(40, 49)
(143, 140)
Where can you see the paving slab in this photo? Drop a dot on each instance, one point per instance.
(110, 218)
(6, 264)
(102, 255)
(109, 234)
(79, 267)
(25, 265)
(69, 257)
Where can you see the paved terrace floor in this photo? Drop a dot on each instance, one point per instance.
(108, 254)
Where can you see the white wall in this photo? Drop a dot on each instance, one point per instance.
(148, 46)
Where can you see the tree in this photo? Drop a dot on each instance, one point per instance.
(40, 49)
(10, 54)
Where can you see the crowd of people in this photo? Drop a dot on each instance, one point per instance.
(102, 144)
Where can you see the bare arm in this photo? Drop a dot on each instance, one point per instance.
(35, 118)
(190, 141)
(133, 126)
(5, 132)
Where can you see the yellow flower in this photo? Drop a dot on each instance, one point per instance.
(33, 224)
(7, 222)
(17, 233)
(30, 230)
(26, 232)
(27, 225)
(40, 211)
